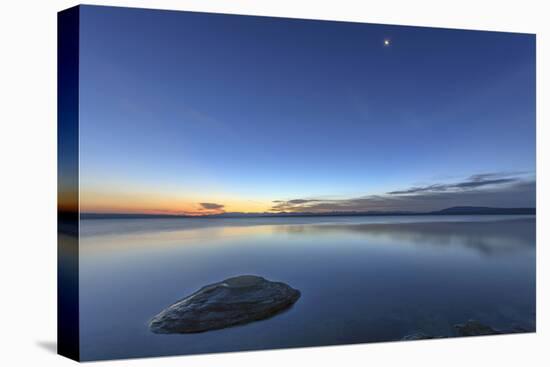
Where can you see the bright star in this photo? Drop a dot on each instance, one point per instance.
(386, 42)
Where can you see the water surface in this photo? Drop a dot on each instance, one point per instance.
(362, 279)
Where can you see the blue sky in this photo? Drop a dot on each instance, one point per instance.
(179, 109)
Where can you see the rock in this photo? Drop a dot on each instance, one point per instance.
(518, 329)
(233, 301)
(418, 336)
(473, 328)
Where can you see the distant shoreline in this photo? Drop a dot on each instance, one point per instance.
(463, 210)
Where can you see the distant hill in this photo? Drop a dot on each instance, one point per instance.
(456, 210)
(484, 210)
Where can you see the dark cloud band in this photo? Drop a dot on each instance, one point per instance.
(487, 189)
(211, 206)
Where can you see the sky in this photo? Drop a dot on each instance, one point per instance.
(194, 113)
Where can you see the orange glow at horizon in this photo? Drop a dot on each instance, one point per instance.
(67, 200)
(154, 203)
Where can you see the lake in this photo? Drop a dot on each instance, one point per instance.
(362, 279)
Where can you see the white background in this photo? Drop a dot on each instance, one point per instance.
(28, 182)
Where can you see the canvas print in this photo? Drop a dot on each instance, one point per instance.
(235, 183)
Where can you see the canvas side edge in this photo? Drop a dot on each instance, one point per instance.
(68, 330)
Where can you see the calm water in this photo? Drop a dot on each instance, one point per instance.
(363, 279)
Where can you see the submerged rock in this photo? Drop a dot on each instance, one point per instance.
(517, 330)
(469, 328)
(230, 302)
(474, 328)
(418, 336)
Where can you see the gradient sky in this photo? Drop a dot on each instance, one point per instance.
(202, 113)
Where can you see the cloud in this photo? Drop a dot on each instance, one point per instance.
(493, 175)
(211, 206)
(474, 181)
(487, 189)
(294, 204)
(301, 201)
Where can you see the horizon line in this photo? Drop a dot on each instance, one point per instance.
(455, 210)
